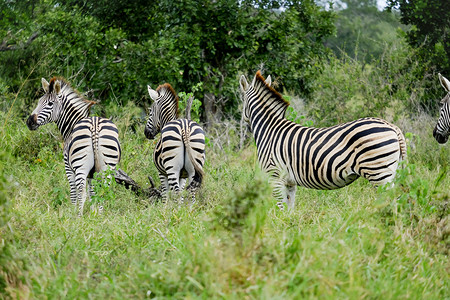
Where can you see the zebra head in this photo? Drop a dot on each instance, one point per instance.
(247, 92)
(441, 131)
(163, 109)
(48, 106)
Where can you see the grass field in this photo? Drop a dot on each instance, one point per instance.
(234, 243)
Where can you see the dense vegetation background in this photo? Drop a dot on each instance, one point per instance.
(333, 62)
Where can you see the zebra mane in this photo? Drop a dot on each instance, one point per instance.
(167, 88)
(260, 82)
(66, 85)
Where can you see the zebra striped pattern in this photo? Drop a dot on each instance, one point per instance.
(442, 129)
(317, 158)
(180, 153)
(91, 144)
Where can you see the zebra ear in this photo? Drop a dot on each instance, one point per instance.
(254, 80)
(445, 83)
(153, 94)
(243, 83)
(57, 86)
(268, 80)
(45, 85)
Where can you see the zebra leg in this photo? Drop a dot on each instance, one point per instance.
(73, 188)
(290, 199)
(194, 185)
(182, 183)
(81, 178)
(284, 191)
(91, 192)
(81, 188)
(164, 187)
(173, 181)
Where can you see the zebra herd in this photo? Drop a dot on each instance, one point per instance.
(293, 155)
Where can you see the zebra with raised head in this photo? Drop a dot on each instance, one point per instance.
(442, 129)
(91, 144)
(180, 153)
(317, 158)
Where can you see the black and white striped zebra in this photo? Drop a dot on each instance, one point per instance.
(91, 144)
(180, 153)
(442, 129)
(317, 158)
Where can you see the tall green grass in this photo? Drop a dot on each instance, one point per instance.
(356, 242)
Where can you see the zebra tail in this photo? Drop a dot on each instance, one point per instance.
(402, 143)
(95, 147)
(199, 173)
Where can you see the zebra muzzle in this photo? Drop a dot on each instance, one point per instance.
(149, 134)
(440, 138)
(32, 122)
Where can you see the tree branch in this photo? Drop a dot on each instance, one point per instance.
(123, 178)
(5, 47)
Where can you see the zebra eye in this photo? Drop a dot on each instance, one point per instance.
(50, 103)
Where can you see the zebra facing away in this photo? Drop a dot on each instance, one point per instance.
(180, 153)
(317, 158)
(442, 129)
(91, 144)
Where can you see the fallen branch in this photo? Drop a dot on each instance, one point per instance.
(123, 178)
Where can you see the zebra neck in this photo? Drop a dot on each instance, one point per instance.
(73, 109)
(265, 116)
(264, 128)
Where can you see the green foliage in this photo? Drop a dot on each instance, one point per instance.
(420, 204)
(362, 32)
(386, 88)
(238, 212)
(103, 187)
(113, 50)
(430, 23)
(196, 104)
(295, 117)
(427, 33)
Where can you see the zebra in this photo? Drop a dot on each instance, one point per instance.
(179, 154)
(316, 158)
(442, 129)
(91, 144)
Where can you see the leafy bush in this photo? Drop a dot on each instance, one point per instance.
(238, 212)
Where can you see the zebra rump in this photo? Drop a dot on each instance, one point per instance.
(182, 152)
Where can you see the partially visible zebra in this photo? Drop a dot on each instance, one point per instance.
(442, 129)
(180, 153)
(91, 144)
(317, 158)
